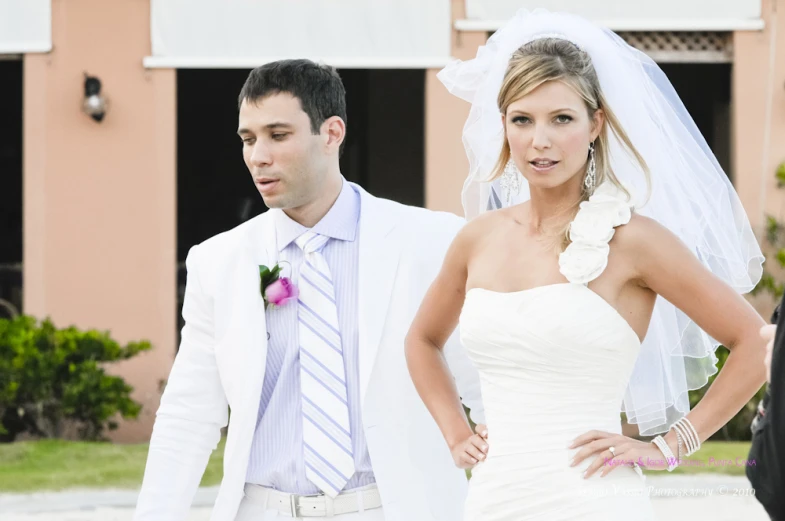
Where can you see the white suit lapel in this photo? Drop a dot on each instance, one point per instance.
(380, 249)
(246, 334)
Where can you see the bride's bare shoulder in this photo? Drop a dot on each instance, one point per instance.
(487, 223)
(476, 232)
(642, 235)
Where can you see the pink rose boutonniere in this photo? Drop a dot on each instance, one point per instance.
(276, 290)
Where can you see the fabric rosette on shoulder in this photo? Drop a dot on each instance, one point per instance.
(590, 232)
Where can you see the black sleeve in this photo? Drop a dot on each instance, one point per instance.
(766, 462)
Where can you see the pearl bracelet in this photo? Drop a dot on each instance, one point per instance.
(680, 444)
(690, 435)
(661, 444)
(681, 436)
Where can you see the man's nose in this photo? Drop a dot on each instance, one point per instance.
(260, 154)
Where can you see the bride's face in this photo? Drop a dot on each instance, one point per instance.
(549, 131)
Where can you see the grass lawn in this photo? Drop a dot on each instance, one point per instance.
(57, 465)
(717, 457)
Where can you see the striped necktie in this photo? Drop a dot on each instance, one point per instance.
(327, 439)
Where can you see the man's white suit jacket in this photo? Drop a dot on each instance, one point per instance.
(221, 366)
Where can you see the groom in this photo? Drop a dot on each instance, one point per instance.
(325, 420)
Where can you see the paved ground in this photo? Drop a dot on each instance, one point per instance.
(675, 498)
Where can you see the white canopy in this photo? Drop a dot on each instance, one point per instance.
(627, 15)
(342, 33)
(25, 26)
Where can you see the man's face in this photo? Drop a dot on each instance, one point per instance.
(287, 162)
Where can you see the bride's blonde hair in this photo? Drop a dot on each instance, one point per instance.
(550, 59)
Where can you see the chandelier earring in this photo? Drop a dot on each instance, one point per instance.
(590, 181)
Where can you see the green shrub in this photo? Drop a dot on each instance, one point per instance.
(52, 378)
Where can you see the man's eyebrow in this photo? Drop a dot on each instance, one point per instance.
(269, 126)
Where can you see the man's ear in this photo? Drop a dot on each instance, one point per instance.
(334, 130)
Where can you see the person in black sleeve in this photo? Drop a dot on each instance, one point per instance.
(767, 475)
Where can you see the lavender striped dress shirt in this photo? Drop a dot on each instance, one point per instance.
(276, 459)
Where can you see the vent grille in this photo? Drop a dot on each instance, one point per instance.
(683, 46)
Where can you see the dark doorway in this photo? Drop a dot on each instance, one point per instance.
(385, 146)
(10, 187)
(705, 89)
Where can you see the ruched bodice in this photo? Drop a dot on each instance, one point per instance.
(532, 357)
(554, 363)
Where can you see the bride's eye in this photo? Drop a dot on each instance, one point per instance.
(563, 118)
(518, 120)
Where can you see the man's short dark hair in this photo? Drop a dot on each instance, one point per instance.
(318, 87)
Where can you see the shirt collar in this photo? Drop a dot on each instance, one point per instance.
(340, 222)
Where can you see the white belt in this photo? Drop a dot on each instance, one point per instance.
(319, 505)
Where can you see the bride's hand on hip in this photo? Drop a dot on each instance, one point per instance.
(615, 450)
(467, 453)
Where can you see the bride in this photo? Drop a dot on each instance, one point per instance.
(602, 282)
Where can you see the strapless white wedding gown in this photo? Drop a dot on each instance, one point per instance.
(554, 363)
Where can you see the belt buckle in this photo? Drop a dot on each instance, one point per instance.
(294, 503)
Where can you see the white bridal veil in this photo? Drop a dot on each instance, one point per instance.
(690, 194)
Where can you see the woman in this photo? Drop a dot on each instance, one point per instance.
(614, 258)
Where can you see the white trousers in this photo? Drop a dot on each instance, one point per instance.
(253, 510)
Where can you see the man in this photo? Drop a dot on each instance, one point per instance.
(321, 401)
(767, 475)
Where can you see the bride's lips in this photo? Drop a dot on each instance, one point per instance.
(543, 165)
(266, 185)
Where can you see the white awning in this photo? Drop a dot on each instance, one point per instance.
(342, 33)
(626, 15)
(25, 26)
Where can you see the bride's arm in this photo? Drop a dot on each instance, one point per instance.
(664, 264)
(670, 269)
(435, 321)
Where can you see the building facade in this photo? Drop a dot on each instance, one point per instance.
(98, 216)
